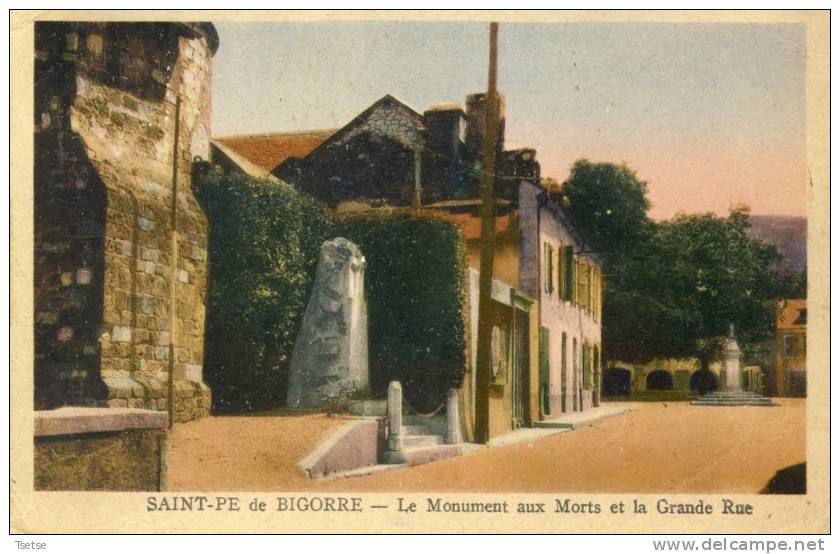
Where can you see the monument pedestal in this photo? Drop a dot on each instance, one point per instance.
(733, 398)
(732, 394)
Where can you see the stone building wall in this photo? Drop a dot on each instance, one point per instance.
(105, 137)
(117, 449)
(389, 119)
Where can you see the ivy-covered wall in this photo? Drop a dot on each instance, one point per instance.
(263, 247)
(415, 281)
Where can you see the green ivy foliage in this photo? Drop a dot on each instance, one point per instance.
(417, 307)
(264, 242)
(263, 245)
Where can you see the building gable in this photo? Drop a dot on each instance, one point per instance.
(370, 158)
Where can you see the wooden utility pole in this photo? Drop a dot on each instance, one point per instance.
(488, 231)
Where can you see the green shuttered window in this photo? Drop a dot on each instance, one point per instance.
(569, 273)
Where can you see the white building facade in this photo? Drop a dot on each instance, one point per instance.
(557, 267)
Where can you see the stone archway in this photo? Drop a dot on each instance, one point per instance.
(659, 379)
(706, 378)
(617, 382)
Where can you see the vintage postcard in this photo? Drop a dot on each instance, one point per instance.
(457, 272)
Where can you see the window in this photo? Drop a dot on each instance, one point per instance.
(596, 363)
(584, 352)
(561, 272)
(545, 354)
(569, 273)
(548, 270)
(563, 355)
(563, 381)
(545, 368)
(581, 272)
(793, 346)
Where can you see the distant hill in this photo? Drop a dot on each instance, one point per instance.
(789, 234)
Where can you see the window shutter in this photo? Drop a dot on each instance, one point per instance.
(545, 357)
(550, 268)
(584, 354)
(570, 273)
(561, 272)
(547, 267)
(580, 293)
(563, 355)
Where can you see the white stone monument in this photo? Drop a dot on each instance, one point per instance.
(732, 393)
(732, 361)
(330, 358)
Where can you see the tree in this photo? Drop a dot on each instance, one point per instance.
(672, 288)
(608, 204)
(704, 274)
(796, 285)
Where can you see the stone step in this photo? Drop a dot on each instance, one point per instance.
(734, 402)
(419, 430)
(369, 408)
(435, 425)
(730, 399)
(549, 424)
(733, 398)
(421, 441)
(415, 456)
(734, 394)
(738, 396)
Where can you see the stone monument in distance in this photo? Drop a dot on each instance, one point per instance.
(732, 393)
(732, 361)
(330, 357)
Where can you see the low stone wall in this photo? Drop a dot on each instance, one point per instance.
(354, 446)
(116, 449)
(192, 398)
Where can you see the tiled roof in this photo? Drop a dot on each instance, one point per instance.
(269, 150)
(471, 224)
(224, 156)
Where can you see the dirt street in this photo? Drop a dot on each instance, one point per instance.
(254, 452)
(659, 447)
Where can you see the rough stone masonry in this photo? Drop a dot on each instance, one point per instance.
(330, 358)
(106, 158)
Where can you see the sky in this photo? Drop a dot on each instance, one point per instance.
(710, 115)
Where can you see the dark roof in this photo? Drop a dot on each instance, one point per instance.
(563, 217)
(268, 150)
(362, 116)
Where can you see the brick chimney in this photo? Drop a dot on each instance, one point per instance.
(444, 148)
(476, 106)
